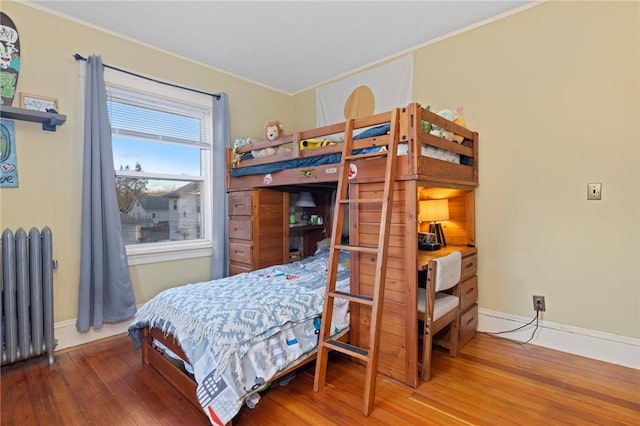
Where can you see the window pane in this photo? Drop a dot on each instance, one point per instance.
(153, 210)
(153, 122)
(155, 157)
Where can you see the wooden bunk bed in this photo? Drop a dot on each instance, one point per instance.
(425, 170)
(299, 166)
(258, 193)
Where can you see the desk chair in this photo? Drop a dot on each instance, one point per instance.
(439, 309)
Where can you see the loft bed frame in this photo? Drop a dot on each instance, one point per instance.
(284, 170)
(320, 165)
(422, 173)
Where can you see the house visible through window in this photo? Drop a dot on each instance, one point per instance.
(162, 141)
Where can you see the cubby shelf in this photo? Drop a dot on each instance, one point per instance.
(49, 120)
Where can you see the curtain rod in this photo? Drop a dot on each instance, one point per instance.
(79, 57)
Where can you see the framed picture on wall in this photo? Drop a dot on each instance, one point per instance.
(37, 102)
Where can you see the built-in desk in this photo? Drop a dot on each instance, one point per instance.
(468, 286)
(309, 235)
(424, 256)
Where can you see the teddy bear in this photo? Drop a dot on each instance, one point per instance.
(273, 130)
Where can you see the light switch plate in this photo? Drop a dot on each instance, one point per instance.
(594, 191)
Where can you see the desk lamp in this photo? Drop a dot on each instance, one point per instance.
(433, 211)
(305, 200)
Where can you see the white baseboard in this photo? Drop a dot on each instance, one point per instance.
(68, 335)
(593, 344)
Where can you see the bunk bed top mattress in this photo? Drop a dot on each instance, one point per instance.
(238, 332)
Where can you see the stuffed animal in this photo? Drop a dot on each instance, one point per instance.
(425, 126)
(273, 130)
(264, 152)
(460, 121)
(237, 157)
(315, 143)
(440, 132)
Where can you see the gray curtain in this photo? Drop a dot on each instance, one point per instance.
(221, 141)
(105, 293)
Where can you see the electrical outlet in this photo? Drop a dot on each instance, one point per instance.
(538, 304)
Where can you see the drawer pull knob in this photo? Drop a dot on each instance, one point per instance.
(468, 265)
(471, 290)
(470, 320)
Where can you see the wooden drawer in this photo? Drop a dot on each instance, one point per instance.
(468, 292)
(469, 266)
(240, 203)
(468, 325)
(240, 253)
(240, 229)
(235, 269)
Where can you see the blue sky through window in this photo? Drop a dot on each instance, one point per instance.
(156, 157)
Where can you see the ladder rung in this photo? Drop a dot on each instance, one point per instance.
(358, 298)
(347, 349)
(371, 250)
(367, 155)
(361, 201)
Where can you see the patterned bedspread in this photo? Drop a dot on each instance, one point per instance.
(239, 331)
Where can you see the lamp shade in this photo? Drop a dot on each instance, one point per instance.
(305, 200)
(434, 210)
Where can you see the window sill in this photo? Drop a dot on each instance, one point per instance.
(146, 255)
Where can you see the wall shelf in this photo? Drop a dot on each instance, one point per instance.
(49, 120)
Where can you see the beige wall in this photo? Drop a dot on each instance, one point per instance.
(50, 163)
(554, 93)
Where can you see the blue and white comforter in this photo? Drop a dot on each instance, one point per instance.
(239, 331)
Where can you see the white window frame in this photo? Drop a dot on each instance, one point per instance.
(145, 253)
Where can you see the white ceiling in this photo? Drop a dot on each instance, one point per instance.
(289, 46)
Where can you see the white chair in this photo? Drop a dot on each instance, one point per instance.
(439, 309)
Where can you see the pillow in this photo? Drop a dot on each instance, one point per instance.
(323, 243)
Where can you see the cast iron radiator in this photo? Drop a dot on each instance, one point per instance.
(26, 308)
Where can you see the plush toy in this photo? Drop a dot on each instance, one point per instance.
(237, 157)
(264, 152)
(273, 130)
(460, 121)
(440, 132)
(425, 126)
(315, 143)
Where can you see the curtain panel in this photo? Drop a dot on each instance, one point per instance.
(105, 291)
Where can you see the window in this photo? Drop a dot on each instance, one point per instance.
(162, 139)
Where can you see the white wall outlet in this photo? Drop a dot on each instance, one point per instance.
(594, 191)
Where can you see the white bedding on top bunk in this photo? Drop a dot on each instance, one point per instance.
(432, 152)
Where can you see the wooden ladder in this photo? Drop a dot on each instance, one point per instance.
(325, 344)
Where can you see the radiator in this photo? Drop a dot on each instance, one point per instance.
(26, 307)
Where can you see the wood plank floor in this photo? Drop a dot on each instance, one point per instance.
(491, 382)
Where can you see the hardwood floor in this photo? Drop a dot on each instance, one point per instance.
(491, 382)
